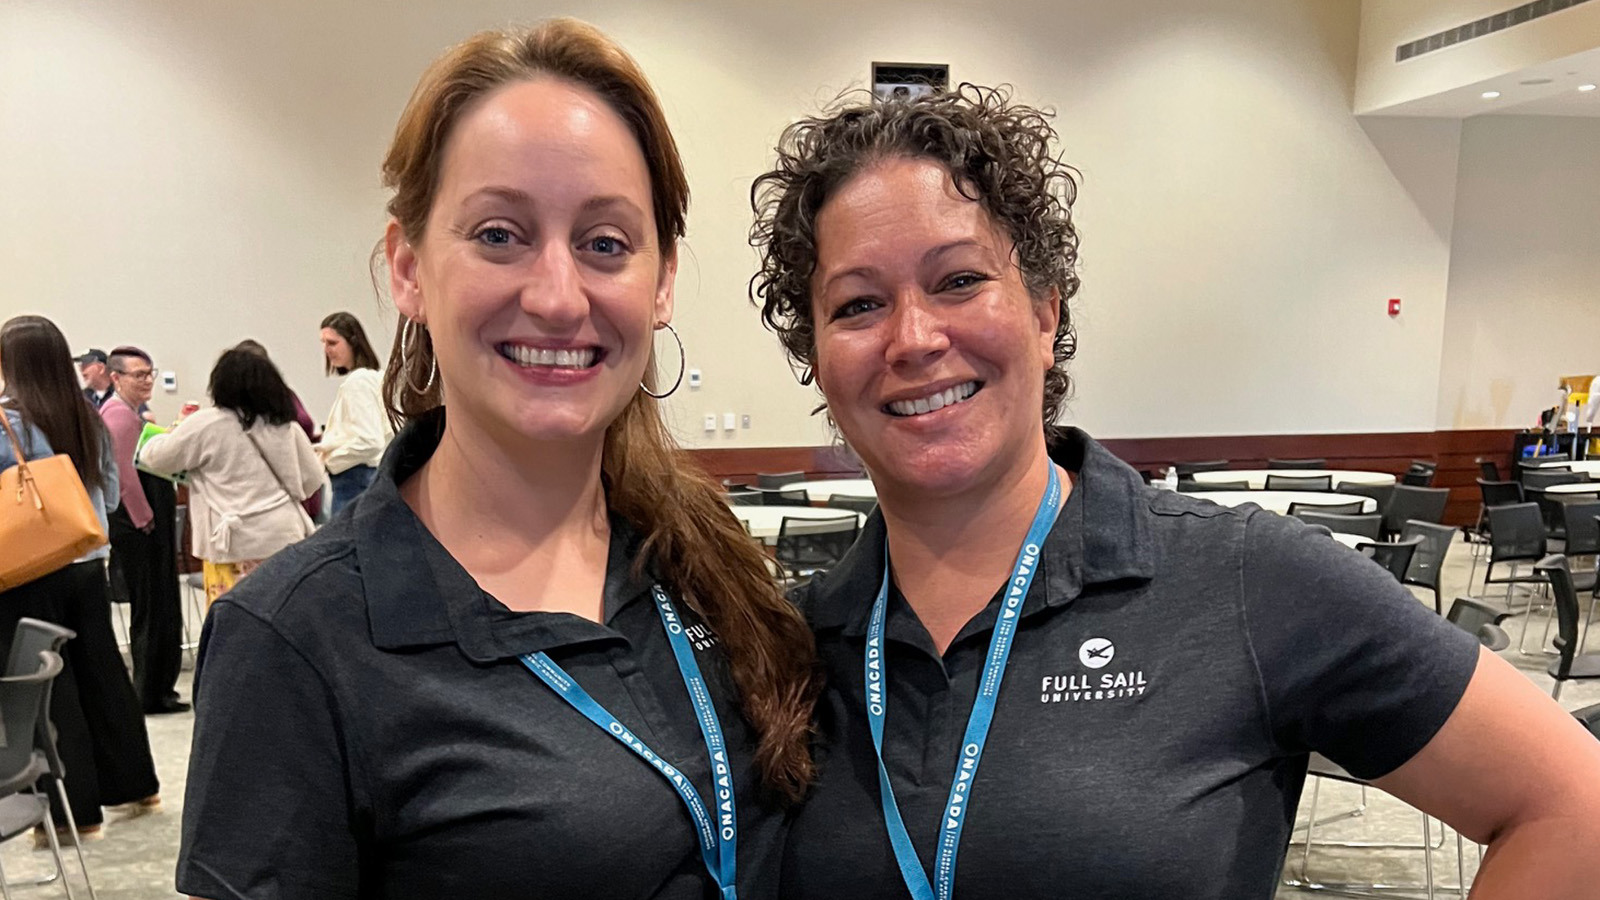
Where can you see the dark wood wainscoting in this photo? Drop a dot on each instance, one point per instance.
(1456, 453)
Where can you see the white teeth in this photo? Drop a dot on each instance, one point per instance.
(535, 356)
(934, 402)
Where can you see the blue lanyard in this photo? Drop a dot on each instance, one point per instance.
(982, 716)
(719, 834)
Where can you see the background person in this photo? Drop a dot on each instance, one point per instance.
(357, 429)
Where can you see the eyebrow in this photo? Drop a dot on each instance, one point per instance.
(513, 195)
(927, 257)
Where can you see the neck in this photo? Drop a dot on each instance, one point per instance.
(950, 553)
(527, 521)
(126, 399)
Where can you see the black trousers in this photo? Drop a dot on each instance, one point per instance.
(148, 564)
(99, 725)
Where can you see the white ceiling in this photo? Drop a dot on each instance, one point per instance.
(1559, 96)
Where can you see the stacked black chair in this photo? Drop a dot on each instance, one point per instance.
(1569, 665)
(1297, 463)
(1299, 482)
(1420, 503)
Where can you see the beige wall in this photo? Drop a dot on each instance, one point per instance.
(1382, 83)
(183, 173)
(1525, 272)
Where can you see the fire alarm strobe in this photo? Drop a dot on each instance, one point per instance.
(1394, 306)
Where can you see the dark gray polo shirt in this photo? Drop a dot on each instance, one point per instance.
(1175, 662)
(365, 729)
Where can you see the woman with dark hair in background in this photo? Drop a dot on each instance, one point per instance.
(313, 504)
(100, 731)
(539, 657)
(249, 467)
(358, 428)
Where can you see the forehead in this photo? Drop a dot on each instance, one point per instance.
(523, 134)
(894, 207)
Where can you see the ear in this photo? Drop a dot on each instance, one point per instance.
(664, 296)
(403, 286)
(1047, 310)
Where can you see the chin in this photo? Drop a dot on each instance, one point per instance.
(933, 470)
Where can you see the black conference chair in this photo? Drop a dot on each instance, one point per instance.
(778, 479)
(747, 498)
(1299, 482)
(1589, 717)
(1480, 620)
(1381, 494)
(1200, 487)
(1492, 493)
(1488, 468)
(774, 497)
(863, 505)
(1297, 463)
(22, 705)
(1366, 526)
(1568, 665)
(808, 546)
(1353, 508)
(1427, 564)
(1187, 469)
(1420, 474)
(1420, 503)
(1394, 556)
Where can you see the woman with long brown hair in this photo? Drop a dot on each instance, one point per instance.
(357, 430)
(100, 731)
(539, 657)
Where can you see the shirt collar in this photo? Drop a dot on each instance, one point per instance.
(418, 595)
(1103, 534)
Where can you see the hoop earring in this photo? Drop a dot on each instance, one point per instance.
(683, 362)
(405, 358)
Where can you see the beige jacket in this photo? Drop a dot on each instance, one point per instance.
(245, 488)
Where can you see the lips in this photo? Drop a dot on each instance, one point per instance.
(933, 402)
(546, 357)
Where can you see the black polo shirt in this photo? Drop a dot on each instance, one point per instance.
(1175, 662)
(365, 729)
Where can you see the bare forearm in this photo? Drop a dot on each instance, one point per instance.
(1550, 859)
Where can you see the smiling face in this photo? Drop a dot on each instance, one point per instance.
(539, 276)
(929, 348)
(135, 381)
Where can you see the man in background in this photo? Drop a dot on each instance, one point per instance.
(144, 540)
(96, 375)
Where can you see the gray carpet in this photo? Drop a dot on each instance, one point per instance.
(134, 860)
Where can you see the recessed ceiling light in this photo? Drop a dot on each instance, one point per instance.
(1585, 87)
(1490, 95)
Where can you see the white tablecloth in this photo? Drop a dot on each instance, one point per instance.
(1592, 487)
(1278, 501)
(1592, 466)
(819, 491)
(765, 521)
(1258, 477)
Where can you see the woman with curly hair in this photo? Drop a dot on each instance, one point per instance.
(1041, 667)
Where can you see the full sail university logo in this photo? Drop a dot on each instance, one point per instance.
(1078, 687)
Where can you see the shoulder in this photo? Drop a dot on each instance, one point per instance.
(301, 589)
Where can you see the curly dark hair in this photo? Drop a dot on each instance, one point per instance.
(999, 154)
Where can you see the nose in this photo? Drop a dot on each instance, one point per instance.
(916, 330)
(553, 291)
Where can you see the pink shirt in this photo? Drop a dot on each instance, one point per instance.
(125, 425)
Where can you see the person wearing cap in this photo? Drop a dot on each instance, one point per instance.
(143, 535)
(96, 377)
(1039, 668)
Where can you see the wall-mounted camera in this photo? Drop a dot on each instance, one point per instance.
(907, 81)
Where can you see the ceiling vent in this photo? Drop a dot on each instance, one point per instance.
(1527, 12)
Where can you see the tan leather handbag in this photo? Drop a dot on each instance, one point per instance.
(46, 517)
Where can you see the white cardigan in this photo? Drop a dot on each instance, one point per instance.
(238, 510)
(358, 429)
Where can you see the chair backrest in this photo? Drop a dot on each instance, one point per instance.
(1428, 562)
(863, 505)
(796, 497)
(1544, 479)
(1420, 503)
(1186, 469)
(778, 479)
(32, 636)
(1395, 556)
(1554, 567)
(815, 543)
(1353, 508)
(1582, 518)
(1381, 494)
(1480, 620)
(21, 702)
(1297, 463)
(747, 498)
(1500, 493)
(1368, 526)
(1589, 717)
(1516, 532)
(1299, 482)
(1196, 487)
(1418, 478)
(1488, 468)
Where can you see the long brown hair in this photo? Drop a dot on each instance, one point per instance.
(41, 385)
(349, 328)
(690, 538)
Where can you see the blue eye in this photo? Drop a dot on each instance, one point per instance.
(962, 281)
(494, 236)
(607, 245)
(856, 307)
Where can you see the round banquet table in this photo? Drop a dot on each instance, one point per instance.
(820, 490)
(764, 522)
(1592, 466)
(1258, 477)
(1278, 501)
